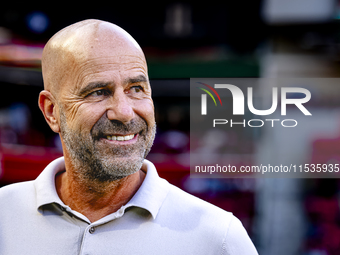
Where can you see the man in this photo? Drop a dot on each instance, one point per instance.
(103, 197)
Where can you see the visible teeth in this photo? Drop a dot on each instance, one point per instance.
(120, 137)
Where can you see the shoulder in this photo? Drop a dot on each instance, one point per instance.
(237, 241)
(17, 193)
(194, 204)
(186, 209)
(211, 222)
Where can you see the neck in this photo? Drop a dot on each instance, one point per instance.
(94, 199)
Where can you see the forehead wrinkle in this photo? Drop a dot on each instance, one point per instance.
(112, 60)
(89, 70)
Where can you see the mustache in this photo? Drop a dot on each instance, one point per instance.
(105, 127)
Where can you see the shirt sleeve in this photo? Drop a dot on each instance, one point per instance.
(237, 241)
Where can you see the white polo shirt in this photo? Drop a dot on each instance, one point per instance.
(159, 219)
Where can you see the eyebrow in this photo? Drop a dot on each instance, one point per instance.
(137, 79)
(92, 86)
(95, 85)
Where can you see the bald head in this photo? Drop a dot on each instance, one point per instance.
(77, 45)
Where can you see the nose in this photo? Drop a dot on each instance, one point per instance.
(120, 107)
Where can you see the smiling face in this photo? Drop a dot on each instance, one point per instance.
(104, 108)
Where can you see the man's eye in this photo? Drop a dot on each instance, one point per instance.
(137, 89)
(100, 92)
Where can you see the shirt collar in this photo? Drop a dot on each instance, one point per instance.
(149, 196)
(152, 192)
(45, 183)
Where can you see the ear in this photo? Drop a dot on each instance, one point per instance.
(48, 106)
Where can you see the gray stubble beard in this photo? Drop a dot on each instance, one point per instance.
(92, 164)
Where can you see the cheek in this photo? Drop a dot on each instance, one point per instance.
(145, 109)
(86, 117)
